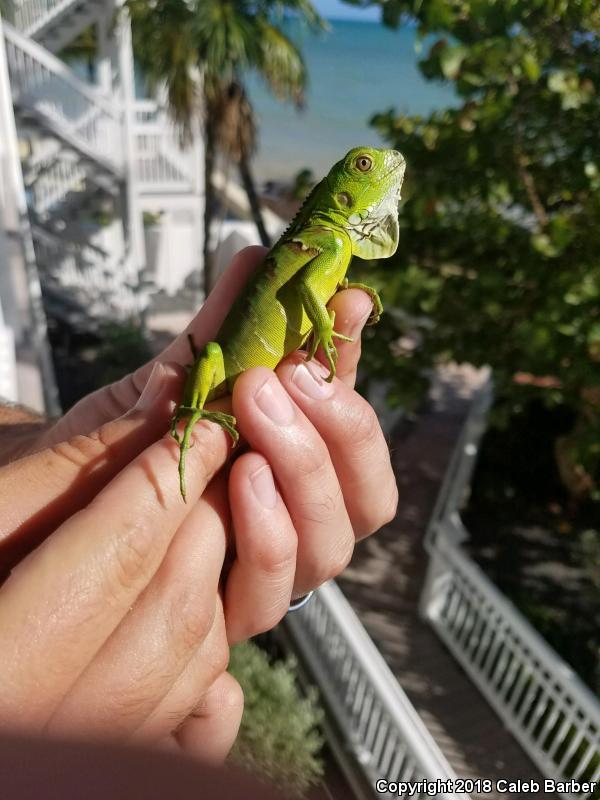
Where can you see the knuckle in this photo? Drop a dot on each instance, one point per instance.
(191, 619)
(371, 516)
(320, 570)
(265, 617)
(220, 657)
(277, 557)
(117, 398)
(364, 425)
(129, 703)
(83, 448)
(132, 556)
(224, 694)
(213, 655)
(324, 510)
(232, 694)
(341, 558)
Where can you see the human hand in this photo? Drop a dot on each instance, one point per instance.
(114, 626)
(339, 486)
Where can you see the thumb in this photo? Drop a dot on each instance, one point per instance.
(42, 490)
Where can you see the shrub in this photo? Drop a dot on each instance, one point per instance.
(279, 736)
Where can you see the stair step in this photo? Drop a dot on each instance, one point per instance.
(55, 29)
(36, 119)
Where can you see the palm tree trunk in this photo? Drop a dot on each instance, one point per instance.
(248, 181)
(209, 278)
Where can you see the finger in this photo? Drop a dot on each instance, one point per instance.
(274, 426)
(210, 732)
(114, 400)
(208, 662)
(64, 600)
(154, 643)
(350, 429)
(259, 584)
(352, 309)
(44, 489)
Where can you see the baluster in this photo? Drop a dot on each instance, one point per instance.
(571, 750)
(373, 726)
(585, 761)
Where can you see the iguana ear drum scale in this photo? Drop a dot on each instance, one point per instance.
(352, 211)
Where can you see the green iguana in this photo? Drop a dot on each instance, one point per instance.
(352, 211)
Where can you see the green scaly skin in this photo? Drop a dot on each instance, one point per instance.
(352, 211)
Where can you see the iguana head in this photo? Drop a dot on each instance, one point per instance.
(365, 187)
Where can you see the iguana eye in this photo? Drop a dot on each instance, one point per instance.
(364, 163)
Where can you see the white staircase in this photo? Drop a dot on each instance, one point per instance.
(55, 23)
(75, 140)
(81, 162)
(49, 99)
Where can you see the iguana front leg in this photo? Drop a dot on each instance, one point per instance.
(375, 299)
(206, 373)
(322, 320)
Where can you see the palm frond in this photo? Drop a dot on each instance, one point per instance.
(281, 64)
(226, 41)
(165, 49)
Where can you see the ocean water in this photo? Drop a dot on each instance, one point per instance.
(355, 70)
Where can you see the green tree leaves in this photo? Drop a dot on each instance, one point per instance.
(502, 207)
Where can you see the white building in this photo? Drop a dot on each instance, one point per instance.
(82, 167)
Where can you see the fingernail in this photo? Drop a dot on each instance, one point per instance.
(263, 486)
(152, 388)
(273, 401)
(310, 383)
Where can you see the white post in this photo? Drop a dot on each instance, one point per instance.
(19, 281)
(434, 590)
(106, 52)
(8, 365)
(135, 225)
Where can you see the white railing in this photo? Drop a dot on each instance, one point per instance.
(29, 15)
(161, 163)
(157, 164)
(457, 478)
(147, 112)
(380, 727)
(49, 94)
(539, 698)
(54, 184)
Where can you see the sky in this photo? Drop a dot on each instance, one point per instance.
(336, 9)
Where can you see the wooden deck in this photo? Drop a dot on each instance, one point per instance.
(383, 584)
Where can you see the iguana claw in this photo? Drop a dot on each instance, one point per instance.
(377, 311)
(325, 339)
